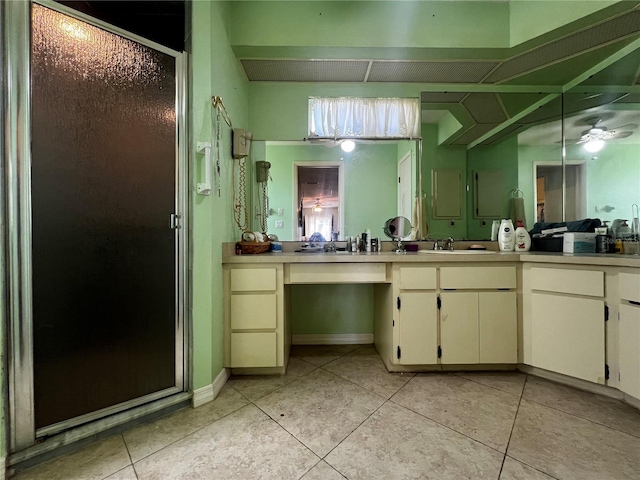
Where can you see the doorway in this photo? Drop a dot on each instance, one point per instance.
(97, 263)
(548, 188)
(319, 202)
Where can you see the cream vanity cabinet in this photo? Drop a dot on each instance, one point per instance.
(478, 315)
(254, 317)
(564, 321)
(415, 316)
(629, 333)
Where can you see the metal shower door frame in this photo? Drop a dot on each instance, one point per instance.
(15, 221)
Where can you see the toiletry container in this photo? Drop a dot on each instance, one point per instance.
(506, 236)
(523, 240)
(495, 228)
(366, 238)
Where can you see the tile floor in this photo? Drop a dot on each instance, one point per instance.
(339, 414)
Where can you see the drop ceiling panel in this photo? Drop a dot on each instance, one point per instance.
(568, 46)
(485, 108)
(430, 72)
(305, 70)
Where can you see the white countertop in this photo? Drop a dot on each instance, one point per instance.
(457, 256)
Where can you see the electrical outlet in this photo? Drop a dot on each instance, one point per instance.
(279, 223)
(280, 212)
(452, 223)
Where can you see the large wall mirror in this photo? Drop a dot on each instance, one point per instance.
(320, 191)
(508, 148)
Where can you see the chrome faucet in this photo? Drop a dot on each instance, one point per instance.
(330, 246)
(448, 245)
(436, 245)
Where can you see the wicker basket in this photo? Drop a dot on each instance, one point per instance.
(254, 247)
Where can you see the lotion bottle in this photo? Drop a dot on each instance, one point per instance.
(506, 237)
(523, 240)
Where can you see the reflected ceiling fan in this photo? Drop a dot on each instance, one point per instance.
(594, 138)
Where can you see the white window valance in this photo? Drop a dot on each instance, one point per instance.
(364, 117)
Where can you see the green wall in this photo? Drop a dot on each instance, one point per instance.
(215, 71)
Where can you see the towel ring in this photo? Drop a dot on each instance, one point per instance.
(517, 193)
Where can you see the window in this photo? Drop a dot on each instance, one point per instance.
(348, 117)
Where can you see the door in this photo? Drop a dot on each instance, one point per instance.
(459, 327)
(498, 327)
(418, 323)
(555, 346)
(106, 264)
(630, 349)
(405, 197)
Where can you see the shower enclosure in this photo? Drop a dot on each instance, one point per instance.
(95, 201)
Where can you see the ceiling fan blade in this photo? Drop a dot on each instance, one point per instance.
(628, 126)
(623, 134)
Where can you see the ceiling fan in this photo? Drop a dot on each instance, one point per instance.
(594, 138)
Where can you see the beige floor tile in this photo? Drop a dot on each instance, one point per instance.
(322, 471)
(151, 437)
(320, 409)
(95, 461)
(395, 443)
(319, 355)
(365, 368)
(244, 445)
(515, 470)
(510, 382)
(483, 413)
(257, 386)
(125, 474)
(599, 409)
(568, 447)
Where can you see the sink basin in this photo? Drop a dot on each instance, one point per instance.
(463, 252)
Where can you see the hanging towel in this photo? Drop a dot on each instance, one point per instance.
(424, 224)
(415, 220)
(516, 210)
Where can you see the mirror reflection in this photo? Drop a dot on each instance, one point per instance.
(321, 190)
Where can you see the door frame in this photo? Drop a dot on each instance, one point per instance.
(15, 265)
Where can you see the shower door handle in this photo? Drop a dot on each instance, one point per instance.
(174, 222)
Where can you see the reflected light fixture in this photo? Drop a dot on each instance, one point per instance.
(348, 145)
(594, 145)
(317, 208)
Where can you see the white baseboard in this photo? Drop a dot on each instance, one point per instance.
(332, 339)
(209, 392)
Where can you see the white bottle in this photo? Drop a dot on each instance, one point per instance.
(367, 240)
(523, 240)
(506, 237)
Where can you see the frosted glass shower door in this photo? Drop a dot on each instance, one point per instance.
(103, 190)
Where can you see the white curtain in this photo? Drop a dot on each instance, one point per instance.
(364, 117)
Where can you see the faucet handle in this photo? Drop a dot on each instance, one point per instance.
(436, 245)
(449, 244)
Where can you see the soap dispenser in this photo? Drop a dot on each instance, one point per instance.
(523, 240)
(506, 236)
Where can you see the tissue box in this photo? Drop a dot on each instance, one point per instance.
(579, 242)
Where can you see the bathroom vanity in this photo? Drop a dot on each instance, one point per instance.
(573, 315)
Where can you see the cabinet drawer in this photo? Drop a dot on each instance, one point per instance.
(578, 282)
(629, 286)
(337, 273)
(477, 277)
(253, 311)
(253, 279)
(253, 349)
(417, 278)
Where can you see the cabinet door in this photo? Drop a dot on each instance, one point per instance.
(418, 328)
(459, 327)
(567, 335)
(251, 349)
(498, 326)
(630, 350)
